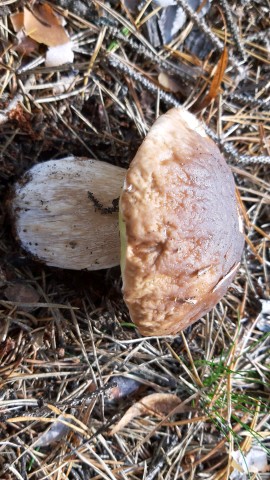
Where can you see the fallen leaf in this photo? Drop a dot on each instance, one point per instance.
(219, 74)
(43, 27)
(158, 404)
(46, 14)
(216, 81)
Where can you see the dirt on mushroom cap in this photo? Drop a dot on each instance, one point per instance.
(56, 221)
(184, 243)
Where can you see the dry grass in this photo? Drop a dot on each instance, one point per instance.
(61, 350)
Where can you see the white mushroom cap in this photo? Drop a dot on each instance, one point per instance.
(56, 221)
(179, 209)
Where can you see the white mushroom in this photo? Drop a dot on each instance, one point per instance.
(56, 221)
(181, 243)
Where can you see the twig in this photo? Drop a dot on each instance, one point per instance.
(161, 460)
(118, 63)
(248, 99)
(233, 29)
(184, 71)
(170, 100)
(201, 24)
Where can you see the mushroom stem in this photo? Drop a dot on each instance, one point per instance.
(63, 213)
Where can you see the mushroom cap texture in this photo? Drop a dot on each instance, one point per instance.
(183, 228)
(57, 223)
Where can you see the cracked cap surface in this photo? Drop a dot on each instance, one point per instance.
(184, 241)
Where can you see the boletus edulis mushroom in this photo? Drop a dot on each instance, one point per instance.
(180, 227)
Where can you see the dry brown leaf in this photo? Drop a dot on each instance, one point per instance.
(216, 82)
(45, 14)
(158, 404)
(43, 26)
(25, 45)
(218, 77)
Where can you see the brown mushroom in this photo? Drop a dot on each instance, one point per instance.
(184, 240)
(179, 223)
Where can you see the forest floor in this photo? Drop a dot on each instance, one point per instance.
(72, 363)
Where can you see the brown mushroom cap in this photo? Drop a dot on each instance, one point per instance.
(184, 241)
